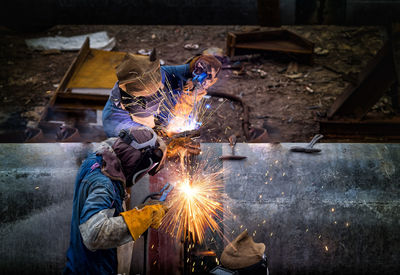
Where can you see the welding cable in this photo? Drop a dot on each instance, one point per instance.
(245, 123)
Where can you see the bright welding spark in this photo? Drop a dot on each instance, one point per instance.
(179, 122)
(182, 124)
(175, 121)
(194, 205)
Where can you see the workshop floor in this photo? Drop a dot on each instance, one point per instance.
(286, 106)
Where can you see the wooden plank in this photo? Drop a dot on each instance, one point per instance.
(97, 71)
(83, 52)
(78, 61)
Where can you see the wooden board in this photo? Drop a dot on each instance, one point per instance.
(97, 71)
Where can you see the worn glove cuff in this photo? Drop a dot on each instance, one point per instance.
(139, 220)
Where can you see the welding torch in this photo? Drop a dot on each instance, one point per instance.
(198, 81)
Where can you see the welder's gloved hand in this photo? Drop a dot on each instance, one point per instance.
(206, 64)
(183, 147)
(139, 220)
(150, 202)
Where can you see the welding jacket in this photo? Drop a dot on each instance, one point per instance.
(116, 113)
(96, 227)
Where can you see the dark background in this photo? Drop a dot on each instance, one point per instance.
(23, 14)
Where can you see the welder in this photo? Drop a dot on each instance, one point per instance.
(147, 94)
(99, 222)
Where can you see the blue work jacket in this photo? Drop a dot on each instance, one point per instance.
(93, 193)
(115, 118)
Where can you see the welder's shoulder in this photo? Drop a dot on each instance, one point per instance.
(115, 92)
(97, 179)
(94, 177)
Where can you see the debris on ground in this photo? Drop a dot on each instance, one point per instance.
(191, 46)
(98, 40)
(320, 51)
(292, 71)
(262, 73)
(144, 52)
(25, 75)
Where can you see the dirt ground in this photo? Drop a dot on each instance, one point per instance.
(283, 99)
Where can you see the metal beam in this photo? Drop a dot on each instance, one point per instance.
(377, 78)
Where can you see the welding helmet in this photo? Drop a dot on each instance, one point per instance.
(139, 75)
(140, 152)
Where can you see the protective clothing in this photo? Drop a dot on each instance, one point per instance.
(205, 63)
(140, 152)
(139, 75)
(194, 92)
(96, 226)
(94, 192)
(123, 111)
(139, 220)
(103, 231)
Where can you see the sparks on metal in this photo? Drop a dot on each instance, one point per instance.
(173, 122)
(199, 116)
(194, 206)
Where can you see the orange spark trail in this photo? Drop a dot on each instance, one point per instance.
(194, 206)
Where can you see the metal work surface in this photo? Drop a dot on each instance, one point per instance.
(36, 190)
(335, 212)
(332, 212)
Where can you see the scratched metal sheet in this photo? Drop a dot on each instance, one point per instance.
(332, 212)
(293, 216)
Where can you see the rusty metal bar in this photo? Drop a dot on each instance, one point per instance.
(373, 82)
(277, 41)
(81, 101)
(383, 129)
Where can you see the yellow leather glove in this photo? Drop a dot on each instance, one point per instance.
(139, 220)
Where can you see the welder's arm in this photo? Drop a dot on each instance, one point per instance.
(103, 231)
(115, 119)
(176, 76)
